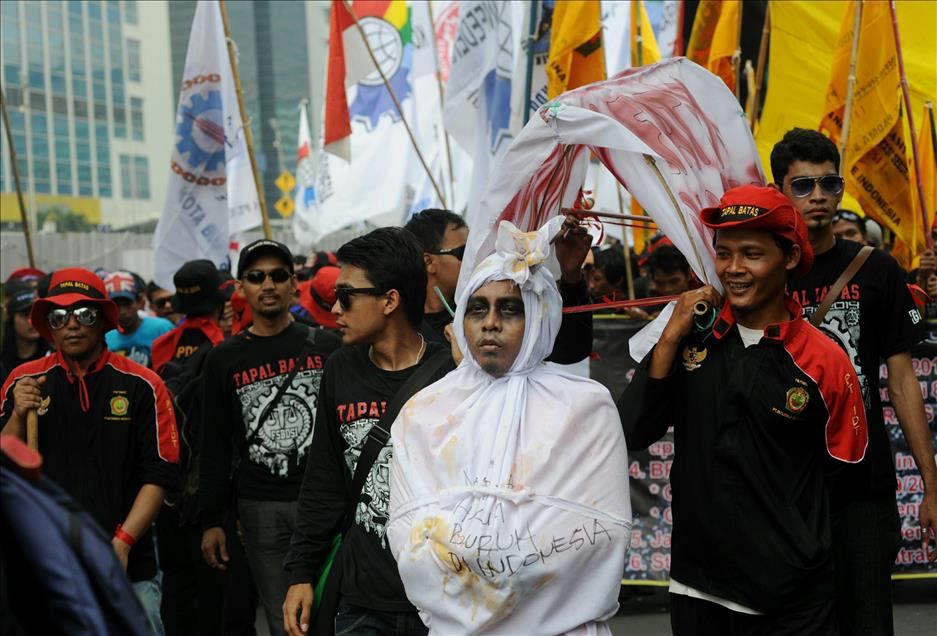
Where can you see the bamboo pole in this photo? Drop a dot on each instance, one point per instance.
(393, 96)
(445, 133)
(760, 65)
(750, 97)
(529, 80)
(16, 180)
(676, 206)
(850, 88)
(248, 140)
(638, 38)
(609, 215)
(906, 94)
(737, 56)
(624, 235)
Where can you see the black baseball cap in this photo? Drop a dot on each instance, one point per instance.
(198, 288)
(258, 248)
(20, 295)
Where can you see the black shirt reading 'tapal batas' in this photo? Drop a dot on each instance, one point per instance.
(354, 394)
(874, 318)
(241, 376)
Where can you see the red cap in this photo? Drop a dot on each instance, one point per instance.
(320, 297)
(752, 207)
(67, 287)
(26, 273)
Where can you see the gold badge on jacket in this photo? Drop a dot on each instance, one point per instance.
(693, 357)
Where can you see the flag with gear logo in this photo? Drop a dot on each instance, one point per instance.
(371, 179)
(210, 195)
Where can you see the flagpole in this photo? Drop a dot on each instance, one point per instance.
(737, 56)
(16, 181)
(638, 39)
(445, 133)
(906, 93)
(760, 66)
(393, 96)
(679, 47)
(529, 81)
(850, 86)
(624, 235)
(245, 122)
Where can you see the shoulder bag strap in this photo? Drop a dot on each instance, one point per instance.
(308, 344)
(380, 432)
(817, 318)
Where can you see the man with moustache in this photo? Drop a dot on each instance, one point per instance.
(874, 319)
(107, 433)
(258, 413)
(765, 401)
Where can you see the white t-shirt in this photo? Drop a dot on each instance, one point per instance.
(749, 336)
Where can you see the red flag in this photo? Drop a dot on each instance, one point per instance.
(348, 63)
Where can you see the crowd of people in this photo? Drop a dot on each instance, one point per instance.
(350, 446)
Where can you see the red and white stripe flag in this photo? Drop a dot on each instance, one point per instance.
(348, 63)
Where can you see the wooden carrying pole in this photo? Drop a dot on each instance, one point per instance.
(906, 94)
(737, 56)
(850, 89)
(32, 429)
(445, 133)
(760, 65)
(232, 55)
(393, 96)
(16, 181)
(629, 275)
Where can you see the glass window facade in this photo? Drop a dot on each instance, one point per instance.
(141, 177)
(134, 62)
(130, 11)
(136, 118)
(126, 177)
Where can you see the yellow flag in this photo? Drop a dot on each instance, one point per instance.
(576, 57)
(648, 52)
(704, 27)
(927, 157)
(876, 166)
(725, 42)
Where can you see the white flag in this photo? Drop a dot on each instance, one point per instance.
(211, 195)
(306, 217)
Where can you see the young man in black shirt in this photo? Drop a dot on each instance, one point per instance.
(873, 320)
(381, 293)
(759, 402)
(245, 425)
(443, 234)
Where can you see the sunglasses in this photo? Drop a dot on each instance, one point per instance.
(803, 186)
(162, 302)
(344, 294)
(86, 316)
(458, 252)
(848, 216)
(257, 277)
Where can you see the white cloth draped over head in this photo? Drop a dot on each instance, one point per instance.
(509, 506)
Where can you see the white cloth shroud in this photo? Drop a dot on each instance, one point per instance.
(509, 508)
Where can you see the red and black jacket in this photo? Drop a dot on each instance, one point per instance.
(754, 432)
(102, 436)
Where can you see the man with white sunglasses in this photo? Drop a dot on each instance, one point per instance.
(874, 319)
(107, 433)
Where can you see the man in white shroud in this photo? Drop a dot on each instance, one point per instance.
(509, 504)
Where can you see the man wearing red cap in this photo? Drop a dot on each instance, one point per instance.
(107, 432)
(765, 400)
(874, 320)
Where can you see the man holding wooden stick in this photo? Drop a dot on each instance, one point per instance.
(107, 432)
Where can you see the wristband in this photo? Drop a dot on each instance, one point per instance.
(124, 536)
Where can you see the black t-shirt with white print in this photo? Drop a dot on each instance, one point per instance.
(354, 394)
(241, 376)
(873, 319)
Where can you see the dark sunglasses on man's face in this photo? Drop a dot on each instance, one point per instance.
(846, 215)
(257, 277)
(344, 294)
(831, 184)
(161, 303)
(458, 252)
(86, 316)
